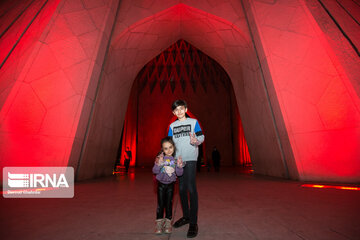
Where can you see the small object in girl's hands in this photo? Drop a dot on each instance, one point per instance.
(169, 165)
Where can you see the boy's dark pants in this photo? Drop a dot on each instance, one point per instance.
(165, 194)
(187, 184)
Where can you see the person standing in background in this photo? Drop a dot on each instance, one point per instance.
(216, 159)
(128, 157)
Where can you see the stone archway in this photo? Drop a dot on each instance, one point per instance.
(183, 72)
(293, 70)
(229, 45)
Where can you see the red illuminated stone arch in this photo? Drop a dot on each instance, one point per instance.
(133, 46)
(293, 72)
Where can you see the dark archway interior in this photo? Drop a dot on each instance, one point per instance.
(183, 72)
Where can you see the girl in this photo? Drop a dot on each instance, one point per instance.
(166, 169)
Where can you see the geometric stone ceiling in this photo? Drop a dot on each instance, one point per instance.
(182, 65)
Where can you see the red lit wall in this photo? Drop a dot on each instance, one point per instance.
(58, 48)
(317, 97)
(22, 23)
(294, 74)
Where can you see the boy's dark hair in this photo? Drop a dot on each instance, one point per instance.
(170, 140)
(177, 103)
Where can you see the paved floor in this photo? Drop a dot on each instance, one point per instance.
(232, 206)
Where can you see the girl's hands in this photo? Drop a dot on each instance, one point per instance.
(159, 159)
(180, 162)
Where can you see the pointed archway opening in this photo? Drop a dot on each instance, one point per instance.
(131, 48)
(183, 72)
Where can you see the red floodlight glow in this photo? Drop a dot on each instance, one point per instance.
(330, 186)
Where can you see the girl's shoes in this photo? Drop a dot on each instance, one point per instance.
(163, 225)
(167, 226)
(159, 224)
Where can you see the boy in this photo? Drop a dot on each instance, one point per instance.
(187, 136)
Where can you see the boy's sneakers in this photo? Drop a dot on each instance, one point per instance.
(193, 230)
(159, 224)
(167, 226)
(181, 222)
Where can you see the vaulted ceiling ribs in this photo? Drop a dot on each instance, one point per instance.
(182, 65)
